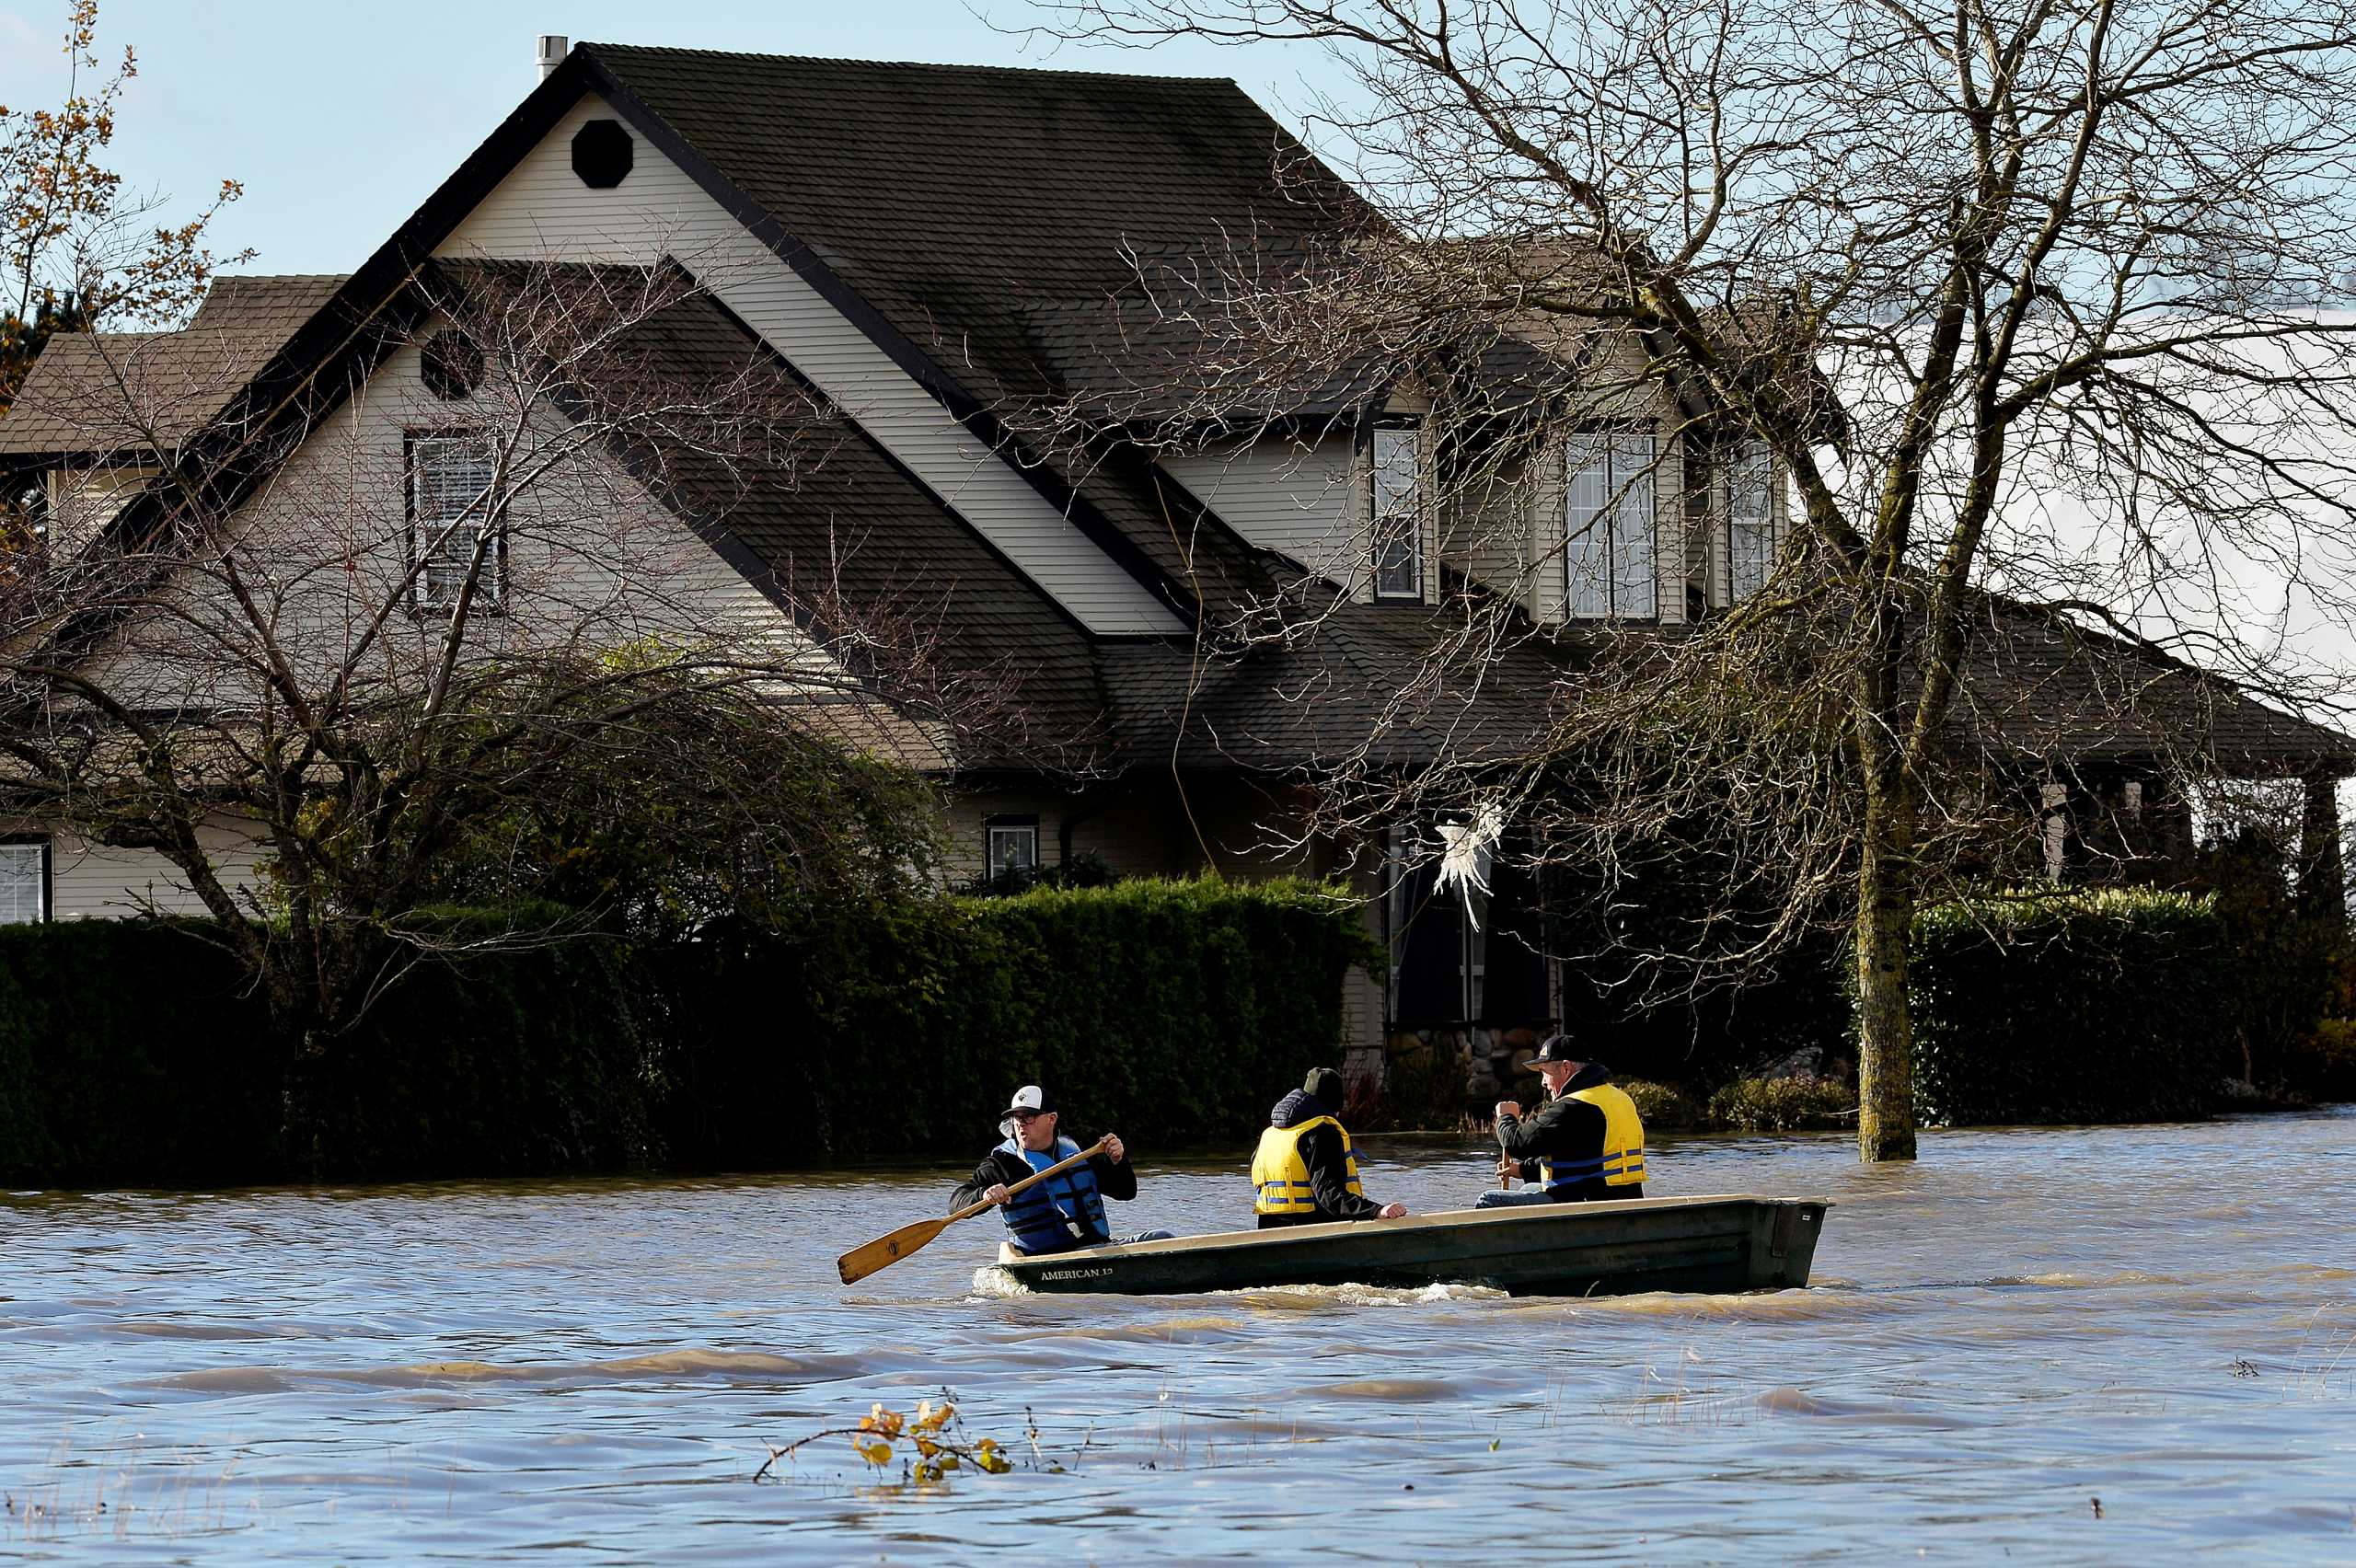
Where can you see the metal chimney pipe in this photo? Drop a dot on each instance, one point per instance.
(553, 49)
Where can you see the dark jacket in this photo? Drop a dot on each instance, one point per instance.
(1111, 1181)
(1565, 1129)
(1329, 1172)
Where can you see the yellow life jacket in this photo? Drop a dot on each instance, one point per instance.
(1280, 1181)
(1621, 1164)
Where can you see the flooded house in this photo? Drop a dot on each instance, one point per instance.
(956, 268)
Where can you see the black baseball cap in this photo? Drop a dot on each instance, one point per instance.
(1326, 1085)
(1556, 1048)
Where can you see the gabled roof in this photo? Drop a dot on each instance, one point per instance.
(976, 223)
(139, 393)
(265, 303)
(852, 527)
(951, 197)
(938, 206)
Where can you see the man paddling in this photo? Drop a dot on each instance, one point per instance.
(1585, 1143)
(1060, 1214)
(1304, 1171)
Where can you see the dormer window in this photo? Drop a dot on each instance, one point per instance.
(1610, 564)
(1398, 512)
(450, 477)
(1750, 519)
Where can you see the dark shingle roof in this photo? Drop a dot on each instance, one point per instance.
(954, 201)
(99, 392)
(2040, 687)
(265, 303)
(128, 392)
(947, 196)
(850, 536)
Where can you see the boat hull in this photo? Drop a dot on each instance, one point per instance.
(1717, 1244)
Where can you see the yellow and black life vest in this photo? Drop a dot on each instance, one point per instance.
(1622, 1163)
(1280, 1181)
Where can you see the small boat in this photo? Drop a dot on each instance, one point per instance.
(1717, 1244)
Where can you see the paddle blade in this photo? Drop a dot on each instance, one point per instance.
(886, 1250)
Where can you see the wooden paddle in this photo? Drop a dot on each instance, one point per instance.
(886, 1250)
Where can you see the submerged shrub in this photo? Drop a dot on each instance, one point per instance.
(1664, 1107)
(1783, 1105)
(2324, 1064)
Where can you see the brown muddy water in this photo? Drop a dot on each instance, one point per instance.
(2162, 1318)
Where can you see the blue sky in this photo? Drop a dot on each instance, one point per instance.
(339, 118)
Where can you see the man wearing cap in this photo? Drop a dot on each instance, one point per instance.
(1304, 1171)
(1586, 1142)
(1065, 1211)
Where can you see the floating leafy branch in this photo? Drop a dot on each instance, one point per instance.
(935, 1437)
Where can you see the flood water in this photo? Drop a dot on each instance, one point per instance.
(2162, 1318)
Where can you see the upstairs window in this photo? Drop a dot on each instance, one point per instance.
(1398, 512)
(449, 506)
(24, 883)
(1750, 519)
(1609, 563)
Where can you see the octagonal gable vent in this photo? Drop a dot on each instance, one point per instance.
(602, 154)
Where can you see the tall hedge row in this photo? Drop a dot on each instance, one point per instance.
(131, 1053)
(1171, 1012)
(2112, 1005)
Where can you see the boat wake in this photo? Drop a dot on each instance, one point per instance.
(995, 1283)
(1363, 1294)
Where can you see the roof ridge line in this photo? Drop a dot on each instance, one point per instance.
(952, 66)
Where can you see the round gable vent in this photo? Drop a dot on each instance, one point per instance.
(602, 154)
(451, 365)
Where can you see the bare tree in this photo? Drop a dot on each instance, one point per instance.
(466, 630)
(2008, 330)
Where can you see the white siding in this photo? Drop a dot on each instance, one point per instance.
(1136, 835)
(90, 881)
(542, 208)
(591, 560)
(1309, 501)
(83, 502)
(1490, 532)
(1303, 500)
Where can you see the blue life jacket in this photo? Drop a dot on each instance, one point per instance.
(1058, 1214)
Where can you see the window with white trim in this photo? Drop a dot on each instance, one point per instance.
(24, 883)
(1012, 849)
(1750, 519)
(1398, 512)
(1609, 560)
(449, 500)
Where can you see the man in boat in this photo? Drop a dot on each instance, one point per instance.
(1304, 1171)
(1585, 1143)
(1062, 1211)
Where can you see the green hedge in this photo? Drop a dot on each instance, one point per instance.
(2115, 1005)
(1174, 1012)
(131, 1054)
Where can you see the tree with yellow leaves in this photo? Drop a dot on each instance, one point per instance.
(82, 252)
